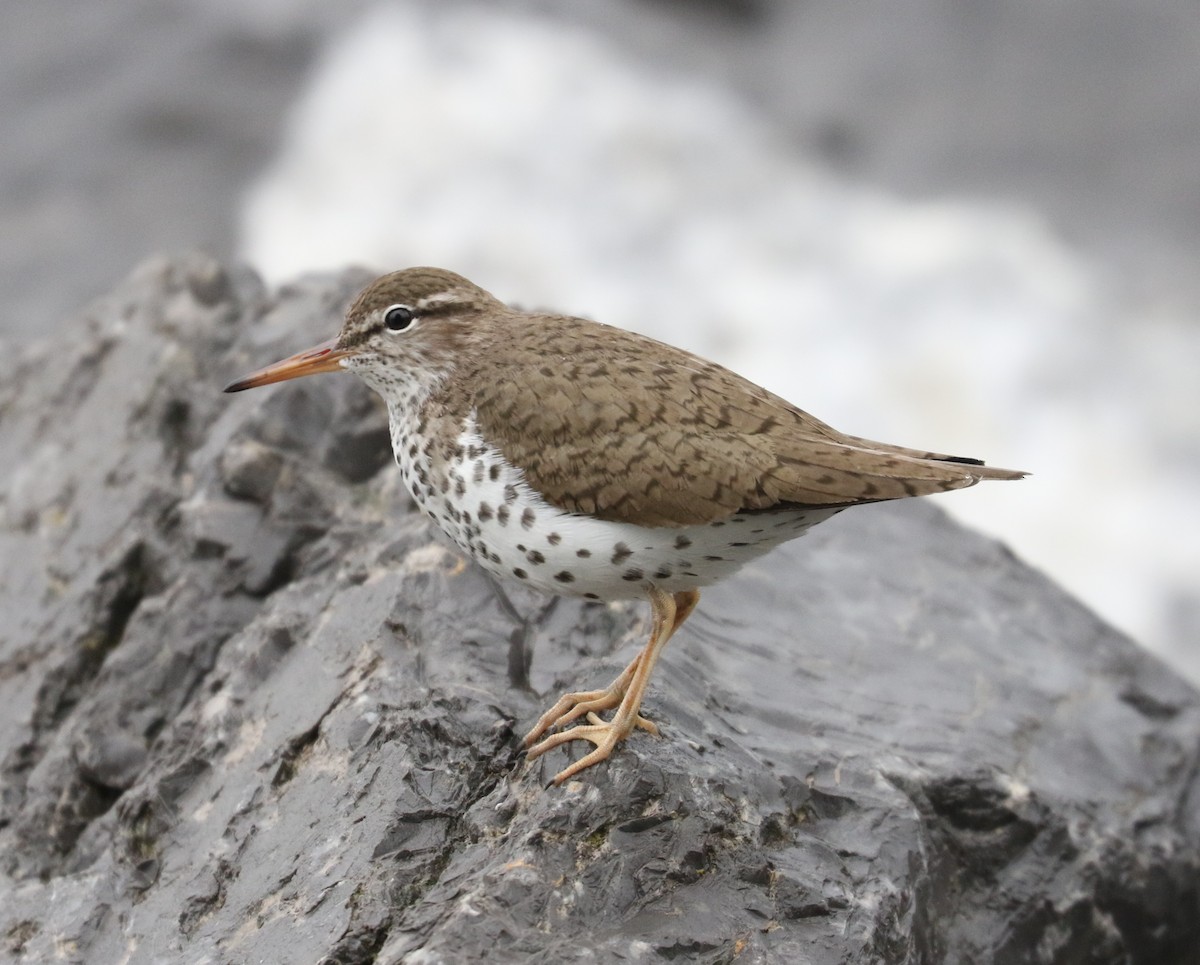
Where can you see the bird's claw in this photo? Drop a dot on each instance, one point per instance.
(602, 733)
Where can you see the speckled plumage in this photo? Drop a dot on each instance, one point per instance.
(583, 459)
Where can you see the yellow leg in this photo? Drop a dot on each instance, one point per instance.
(685, 603)
(625, 693)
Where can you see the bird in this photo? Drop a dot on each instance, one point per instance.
(582, 459)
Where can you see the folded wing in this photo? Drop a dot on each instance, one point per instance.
(625, 428)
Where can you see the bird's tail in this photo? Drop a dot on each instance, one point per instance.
(978, 468)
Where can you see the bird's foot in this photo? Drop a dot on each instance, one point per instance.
(572, 706)
(625, 693)
(604, 734)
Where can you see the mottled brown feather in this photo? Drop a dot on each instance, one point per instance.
(620, 426)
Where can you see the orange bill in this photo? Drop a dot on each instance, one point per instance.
(325, 357)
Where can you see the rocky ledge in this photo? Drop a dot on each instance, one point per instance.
(253, 709)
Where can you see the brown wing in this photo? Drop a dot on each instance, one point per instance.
(620, 426)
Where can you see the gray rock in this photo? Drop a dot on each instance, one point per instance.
(251, 708)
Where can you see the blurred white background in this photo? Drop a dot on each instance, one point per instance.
(948, 227)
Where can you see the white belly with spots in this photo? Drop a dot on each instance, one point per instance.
(485, 506)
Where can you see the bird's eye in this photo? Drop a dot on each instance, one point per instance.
(398, 318)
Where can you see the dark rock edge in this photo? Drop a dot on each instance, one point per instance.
(253, 709)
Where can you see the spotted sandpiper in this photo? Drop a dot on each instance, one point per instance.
(582, 459)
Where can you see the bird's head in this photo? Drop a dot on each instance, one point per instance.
(407, 325)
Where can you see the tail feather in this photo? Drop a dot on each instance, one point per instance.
(978, 467)
(851, 470)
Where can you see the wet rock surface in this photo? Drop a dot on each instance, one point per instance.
(252, 708)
